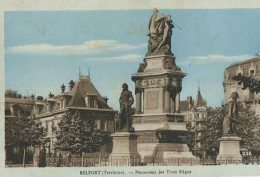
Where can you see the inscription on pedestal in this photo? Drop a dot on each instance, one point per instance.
(152, 99)
(153, 64)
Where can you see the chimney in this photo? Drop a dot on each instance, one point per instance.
(39, 98)
(105, 98)
(189, 100)
(32, 96)
(71, 84)
(51, 95)
(62, 88)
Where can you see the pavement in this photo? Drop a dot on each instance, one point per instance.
(18, 165)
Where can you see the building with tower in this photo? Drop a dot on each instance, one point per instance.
(195, 112)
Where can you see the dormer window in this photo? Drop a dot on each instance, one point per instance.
(91, 101)
(64, 103)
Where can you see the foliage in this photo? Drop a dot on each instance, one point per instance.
(248, 82)
(190, 135)
(12, 94)
(77, 135)
(247, 127)
(22, 131)
(214, 128)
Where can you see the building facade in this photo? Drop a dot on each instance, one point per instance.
(248, 68)
(82, 96)
(195, 113)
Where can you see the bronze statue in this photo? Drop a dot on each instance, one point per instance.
(126, 100)
(160, 31)
(231, 117)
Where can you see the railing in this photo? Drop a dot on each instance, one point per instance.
(182, 161)
(77, 162)
(208, 162)
(251, 161)
(125, 160)
(136, 161)
(227, 161)
(93, 161)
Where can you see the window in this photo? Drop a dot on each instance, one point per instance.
(64, 103)
(47, 127)
(239, 74)
(102, 125)
(97, 122)
(252, 72)
(91, 102)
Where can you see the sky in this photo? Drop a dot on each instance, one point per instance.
(45, 49)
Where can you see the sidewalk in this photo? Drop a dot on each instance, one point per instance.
(18, 165)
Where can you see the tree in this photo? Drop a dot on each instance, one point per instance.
(22, 131)
(247, 127)
(77, 135)
(190, 135)
(248, 82)
(211, 133)
(12, 94)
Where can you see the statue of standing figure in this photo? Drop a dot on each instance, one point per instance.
(231, 117)
(126, 100)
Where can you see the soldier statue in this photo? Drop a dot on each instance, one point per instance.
(126, 100)
(231, 117)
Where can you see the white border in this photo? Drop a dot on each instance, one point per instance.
(55, 5)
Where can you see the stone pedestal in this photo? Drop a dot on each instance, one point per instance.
(229, 150)
(124, 151)
(161, 139)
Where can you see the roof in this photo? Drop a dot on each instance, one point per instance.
(184, 106)
(82, 88)
(76, 96)
(24, 104)
(199, 100)
(244, 62)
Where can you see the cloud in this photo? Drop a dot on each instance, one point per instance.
(215, 58)
(93, 47)
(130, 57)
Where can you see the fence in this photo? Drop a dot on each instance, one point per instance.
(182, 161)
(93, 161)
(127, 161)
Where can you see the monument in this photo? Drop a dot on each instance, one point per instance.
(229, 149)
(124, 151)
(158, 82)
